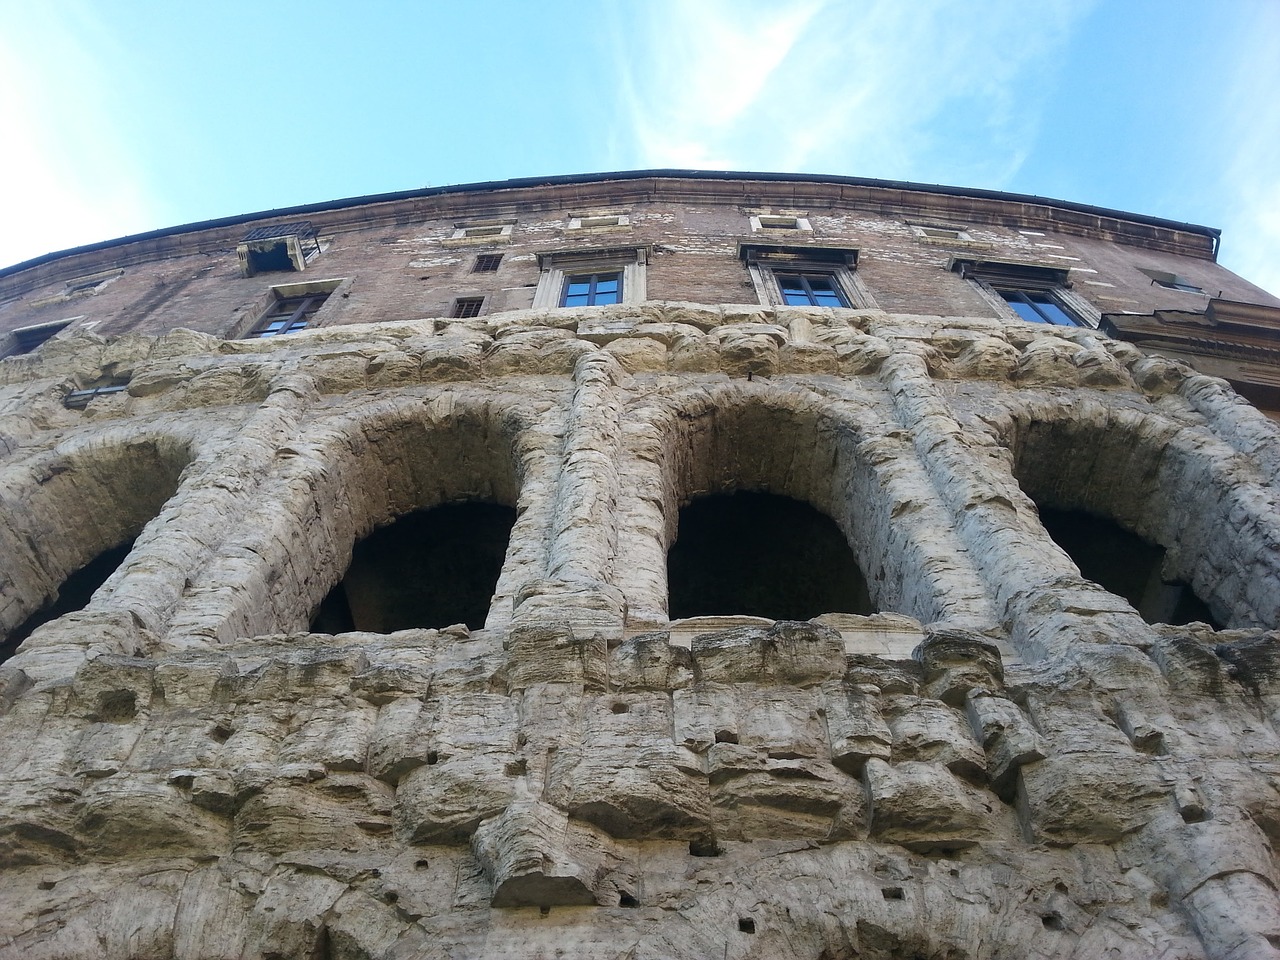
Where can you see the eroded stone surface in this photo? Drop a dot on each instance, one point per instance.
(1007, 761)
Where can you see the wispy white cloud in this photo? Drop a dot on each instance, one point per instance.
(871, 89)
(69, 175)
(1247, 140)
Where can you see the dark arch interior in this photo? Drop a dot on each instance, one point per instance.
(75, 592)
(1125, 564)
(759, 554)
(430, 568)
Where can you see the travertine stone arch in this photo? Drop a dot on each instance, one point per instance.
(1173, 484)
(360, 468)
(61, 509)
(839, 453)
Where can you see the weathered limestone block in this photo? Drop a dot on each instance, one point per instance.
(856, 729)
(812, 358)
(695, 354)
(648, 661)
(553, 653)
(956, 662)
(639, 354)
(660, 792)
(342, 810)
(538, 353)
(788, 799)
(288, 917)
(1089, 797)
(336, 736)
(451, 360)
(929, 730)
(924, 807)
(742, 354)
(1007, 736)
(990, 358)
(1048, 362)
(400, 740)
(535, 856)
(137, 817)
(1098, 368)
(799, 653)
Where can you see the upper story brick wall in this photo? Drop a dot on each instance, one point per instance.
(401, 263)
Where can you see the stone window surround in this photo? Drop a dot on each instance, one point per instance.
(554, 268)
(254, 314)
(479, 232)
(986, 274)
(839, 262)
(20, 341)
(594, 222)
(779, 223)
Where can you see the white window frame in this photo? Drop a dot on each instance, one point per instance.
(556, 268)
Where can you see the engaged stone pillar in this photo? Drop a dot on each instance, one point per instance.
(1039, 589)
(223, 489)
(579, 588)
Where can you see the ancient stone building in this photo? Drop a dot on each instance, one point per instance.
(656, 565)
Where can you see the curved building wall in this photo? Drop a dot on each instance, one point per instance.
(1005, 760)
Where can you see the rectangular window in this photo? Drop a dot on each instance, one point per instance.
(1038, 306)
(805, 276)
(465, 307)
(1171, 281)
(287, 315)
(810, 290)
(487, 263)
(285, 246)
(1037, 293)
(26, 339)
(592, 289)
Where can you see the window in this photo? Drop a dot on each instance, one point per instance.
(944, 234)
(487, 263)
(1038, 306)
(770, 222)
(592, 289)
(26, 339)
(287, 315)
(810, 289)
(479, 232)
(598, 221)
(578, 278)
(1171, 281)
(79, 399)
(285, 246)
(465, 307)
(805, 276)
(1031, 292)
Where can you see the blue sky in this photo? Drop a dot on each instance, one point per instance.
(125, 116)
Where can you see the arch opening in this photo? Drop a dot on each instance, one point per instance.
(1127, 514)
(764, 555)
(1125, 564)
(82, 510)
(430, 568)
(74, 594)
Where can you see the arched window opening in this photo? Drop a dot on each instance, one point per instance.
(430, 568)
(1125, 564)
(73, 595)
(764, 555)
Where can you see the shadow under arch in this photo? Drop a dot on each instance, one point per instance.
(1181, 503)
(355, 472)
(71, 517)
(843, 457)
